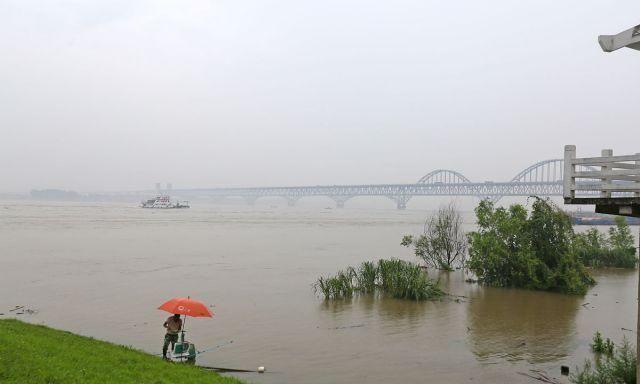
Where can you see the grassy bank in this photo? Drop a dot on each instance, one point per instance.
(38, 354)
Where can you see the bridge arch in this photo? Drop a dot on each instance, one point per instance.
(546, 171)
(443, 176)
(542, 171)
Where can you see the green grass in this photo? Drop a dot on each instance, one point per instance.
(38, 354)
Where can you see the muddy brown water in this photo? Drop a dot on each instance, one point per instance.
(102, 269)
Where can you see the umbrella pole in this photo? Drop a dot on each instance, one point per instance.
(183, 324)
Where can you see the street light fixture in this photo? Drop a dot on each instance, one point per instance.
(609, 43)
(629, 38)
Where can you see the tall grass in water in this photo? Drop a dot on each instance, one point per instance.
(396, 278)
(338, 286)
(405, 280)
(367, 276)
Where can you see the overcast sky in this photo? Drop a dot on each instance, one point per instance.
(116, 95)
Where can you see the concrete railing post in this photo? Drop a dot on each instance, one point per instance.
(637, 193)
(569, 168)
(604, 168)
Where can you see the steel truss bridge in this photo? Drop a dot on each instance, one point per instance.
(544, 178)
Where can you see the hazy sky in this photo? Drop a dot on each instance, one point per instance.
(114, 95)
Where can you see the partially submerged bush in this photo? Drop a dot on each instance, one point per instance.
(396, 278)
(597, 250)
(514, 248)
(618, 368)
(601, 346)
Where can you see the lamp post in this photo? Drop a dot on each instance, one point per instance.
(609, 43)
(629, 38)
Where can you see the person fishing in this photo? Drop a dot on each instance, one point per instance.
(173, 326)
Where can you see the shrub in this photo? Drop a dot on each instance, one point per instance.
(620, 367)
(600, 346)
(513, 248)
(597, 250)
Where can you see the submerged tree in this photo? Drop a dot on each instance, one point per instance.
(443, 243)
(620, 236)
(512, 248)
(597, 250)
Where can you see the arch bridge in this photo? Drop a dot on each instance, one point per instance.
(544, 178)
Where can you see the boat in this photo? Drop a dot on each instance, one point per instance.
(590, 218)
(164, 202)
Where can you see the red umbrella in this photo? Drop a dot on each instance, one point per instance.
(186, 306)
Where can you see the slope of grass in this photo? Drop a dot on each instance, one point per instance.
(38, 354)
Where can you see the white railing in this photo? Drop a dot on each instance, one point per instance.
(617, 176)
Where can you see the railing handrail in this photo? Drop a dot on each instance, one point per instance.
(604, 159)
(616, 173)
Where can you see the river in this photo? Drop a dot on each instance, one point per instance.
(102, 270)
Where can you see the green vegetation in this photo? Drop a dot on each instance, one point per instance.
(397, 278)
(38, 354)
(513, 248)
(601, 346)
(339, 286)
(597, 250)
(619, 367)
(443, 244)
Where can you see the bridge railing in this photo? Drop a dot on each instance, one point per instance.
(611, 179)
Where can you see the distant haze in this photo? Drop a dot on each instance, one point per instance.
(116, 95)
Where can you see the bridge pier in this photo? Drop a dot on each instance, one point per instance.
(400, 200)
(251, 200)
(291, 200)
(340, 200)
(217, 199)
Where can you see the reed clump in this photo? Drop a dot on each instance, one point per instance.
(397, 278)
(339, 286)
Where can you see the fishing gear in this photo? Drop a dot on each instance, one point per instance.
(204, 350)
(222, 370)
(215, 347)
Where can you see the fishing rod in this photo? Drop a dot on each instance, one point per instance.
(220, 369)
(215, 347)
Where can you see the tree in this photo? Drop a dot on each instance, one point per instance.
(512, 248)
(443, 243)
(590, 246)
(620, 236)
(597, 250)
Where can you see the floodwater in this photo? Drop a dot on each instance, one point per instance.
(102, 269)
